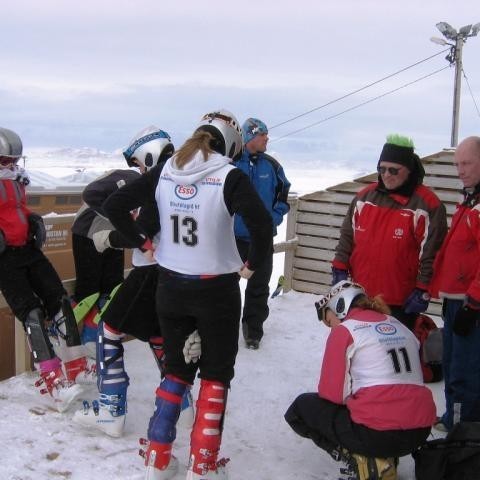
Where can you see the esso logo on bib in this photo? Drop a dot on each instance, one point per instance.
(185, 192)
(385, 329)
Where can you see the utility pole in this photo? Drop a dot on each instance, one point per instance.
(455, 57)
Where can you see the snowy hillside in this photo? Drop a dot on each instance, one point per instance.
(81, 166)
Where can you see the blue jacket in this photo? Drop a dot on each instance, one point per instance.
(268, 178)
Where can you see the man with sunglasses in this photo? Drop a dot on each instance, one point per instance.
(457, 282)
(392, 232)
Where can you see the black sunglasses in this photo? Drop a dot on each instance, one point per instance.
(390, 170)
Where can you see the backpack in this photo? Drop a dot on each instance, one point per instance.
(455, 457)
(431, 348)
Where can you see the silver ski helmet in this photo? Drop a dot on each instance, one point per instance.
(149, 147)
(226, 132)
(339, 299)
(10, 145)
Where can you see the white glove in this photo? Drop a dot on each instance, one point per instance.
(101, 241)
(245, 272)
(192, 348)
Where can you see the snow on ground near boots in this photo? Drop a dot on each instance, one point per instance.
(38, 443)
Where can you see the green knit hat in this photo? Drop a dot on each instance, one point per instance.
(399, 149)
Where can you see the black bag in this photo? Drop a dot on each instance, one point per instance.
(455, 457)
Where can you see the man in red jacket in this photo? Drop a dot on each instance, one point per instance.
(391, 233)
(457, 281)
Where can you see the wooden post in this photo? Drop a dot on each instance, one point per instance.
(290, 252)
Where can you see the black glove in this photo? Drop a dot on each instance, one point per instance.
(3, 245)
(465, 320)
(338, 275)
(36, 233)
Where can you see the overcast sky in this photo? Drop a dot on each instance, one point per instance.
(92, 73)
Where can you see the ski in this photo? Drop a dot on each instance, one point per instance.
(81, 309)
(98, 316)
(278, 290)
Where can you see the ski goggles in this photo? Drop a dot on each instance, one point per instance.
(6, 160)
(212, 116)
(390, 170)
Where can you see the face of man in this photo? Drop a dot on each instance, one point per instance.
(467, 161)
(258, 144)
(393, 175)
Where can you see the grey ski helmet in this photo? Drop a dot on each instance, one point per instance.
(226, 131)
(10, 144)
(339, 299)
(149, 147)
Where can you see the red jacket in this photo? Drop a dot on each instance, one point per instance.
(457, 266)
(13, 213)
(388, 241)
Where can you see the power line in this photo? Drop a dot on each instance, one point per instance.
(358, 90)
(360, 104)
(471, 93)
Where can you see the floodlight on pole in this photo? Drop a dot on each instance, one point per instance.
(455, 57)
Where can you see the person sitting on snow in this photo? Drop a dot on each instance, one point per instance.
(371, 406)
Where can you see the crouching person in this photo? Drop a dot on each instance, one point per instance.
(32, 288)
(371, 406)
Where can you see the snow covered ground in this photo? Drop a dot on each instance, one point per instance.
(37, 443)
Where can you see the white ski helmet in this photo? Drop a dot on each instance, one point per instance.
(339, 299)
(226, 132)
(149, 147)
(10, 144)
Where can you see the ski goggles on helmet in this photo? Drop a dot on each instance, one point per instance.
(212, 116)
(129, 152)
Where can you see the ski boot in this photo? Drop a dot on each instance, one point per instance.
(52, 381)
(360, 467)
(81, 370)
(206, 435)
(89, 333)
(187, 411)
(208, 470)
(160, 463)
(108, 413)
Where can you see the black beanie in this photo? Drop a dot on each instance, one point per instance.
(398, 154)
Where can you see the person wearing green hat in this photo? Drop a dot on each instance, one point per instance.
(392, 232)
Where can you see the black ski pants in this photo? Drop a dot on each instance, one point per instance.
(329, 425)
(132, 309)
(212, 306)
(28, 280)
(255, 308)
(95, 271)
